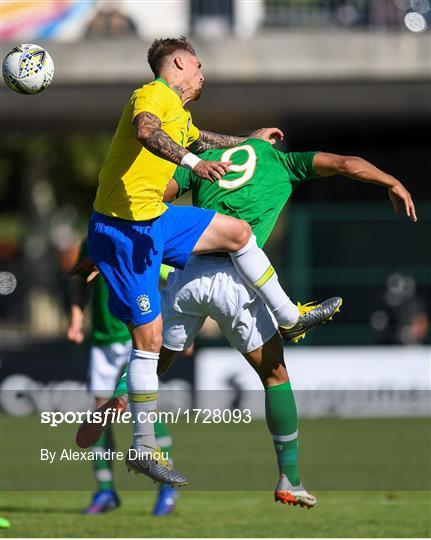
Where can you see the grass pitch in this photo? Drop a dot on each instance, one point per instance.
(371, 477)
(215, 514)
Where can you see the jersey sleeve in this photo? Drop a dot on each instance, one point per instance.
(184, 178)
(148, 99)
(300, 166)
(193, 133)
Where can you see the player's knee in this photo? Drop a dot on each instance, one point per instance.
(147, 338)
(240, 235)
(155, 341)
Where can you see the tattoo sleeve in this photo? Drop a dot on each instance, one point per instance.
(209, 140)
(150, 134)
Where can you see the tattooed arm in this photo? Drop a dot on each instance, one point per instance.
(150, 134)
(208, 140)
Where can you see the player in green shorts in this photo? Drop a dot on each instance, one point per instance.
(109, 354)
(260, 183)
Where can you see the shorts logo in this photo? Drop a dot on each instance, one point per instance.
(144, 303)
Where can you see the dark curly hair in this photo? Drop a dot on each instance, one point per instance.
(161, 48)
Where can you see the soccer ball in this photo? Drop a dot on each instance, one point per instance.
(28, 69)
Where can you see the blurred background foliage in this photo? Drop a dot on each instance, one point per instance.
(69, 163)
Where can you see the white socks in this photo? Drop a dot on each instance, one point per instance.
(142, 386)
(255, 269)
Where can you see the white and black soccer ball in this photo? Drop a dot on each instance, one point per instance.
(28, 69)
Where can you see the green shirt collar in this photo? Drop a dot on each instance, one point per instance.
(163, 82)
(159, 79)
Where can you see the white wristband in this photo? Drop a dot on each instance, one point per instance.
(190, 161)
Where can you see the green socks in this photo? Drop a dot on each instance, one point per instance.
(281, 417)
(282, 420)
(103, 467)
(121, 388)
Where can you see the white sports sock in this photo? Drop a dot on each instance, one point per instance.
(142, 386)
(256, 270)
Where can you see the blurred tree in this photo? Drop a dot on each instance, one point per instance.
(71, 166)
(75, 162)
(47, 187)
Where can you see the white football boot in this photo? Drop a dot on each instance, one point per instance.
(295, 495)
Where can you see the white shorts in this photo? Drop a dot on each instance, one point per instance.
(106, 363)
(211, 287)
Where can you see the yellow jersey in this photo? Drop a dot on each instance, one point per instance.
(132, 179)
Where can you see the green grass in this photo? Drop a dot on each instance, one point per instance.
(371, 476)
(231, 514)
(335, 455)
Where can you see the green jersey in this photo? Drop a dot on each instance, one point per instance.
(106, 328)
(257, 188)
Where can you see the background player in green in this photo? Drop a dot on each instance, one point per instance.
(109, 354)
(257, 188)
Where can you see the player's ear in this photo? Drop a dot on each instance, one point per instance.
(178, 61)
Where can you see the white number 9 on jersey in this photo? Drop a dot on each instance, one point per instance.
(247, 168)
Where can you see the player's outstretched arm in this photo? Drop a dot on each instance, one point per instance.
(208, 140)
(356, 168)
(150, 134)
(85, 268)
(81, 292)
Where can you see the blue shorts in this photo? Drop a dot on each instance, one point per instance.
(129, 254)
